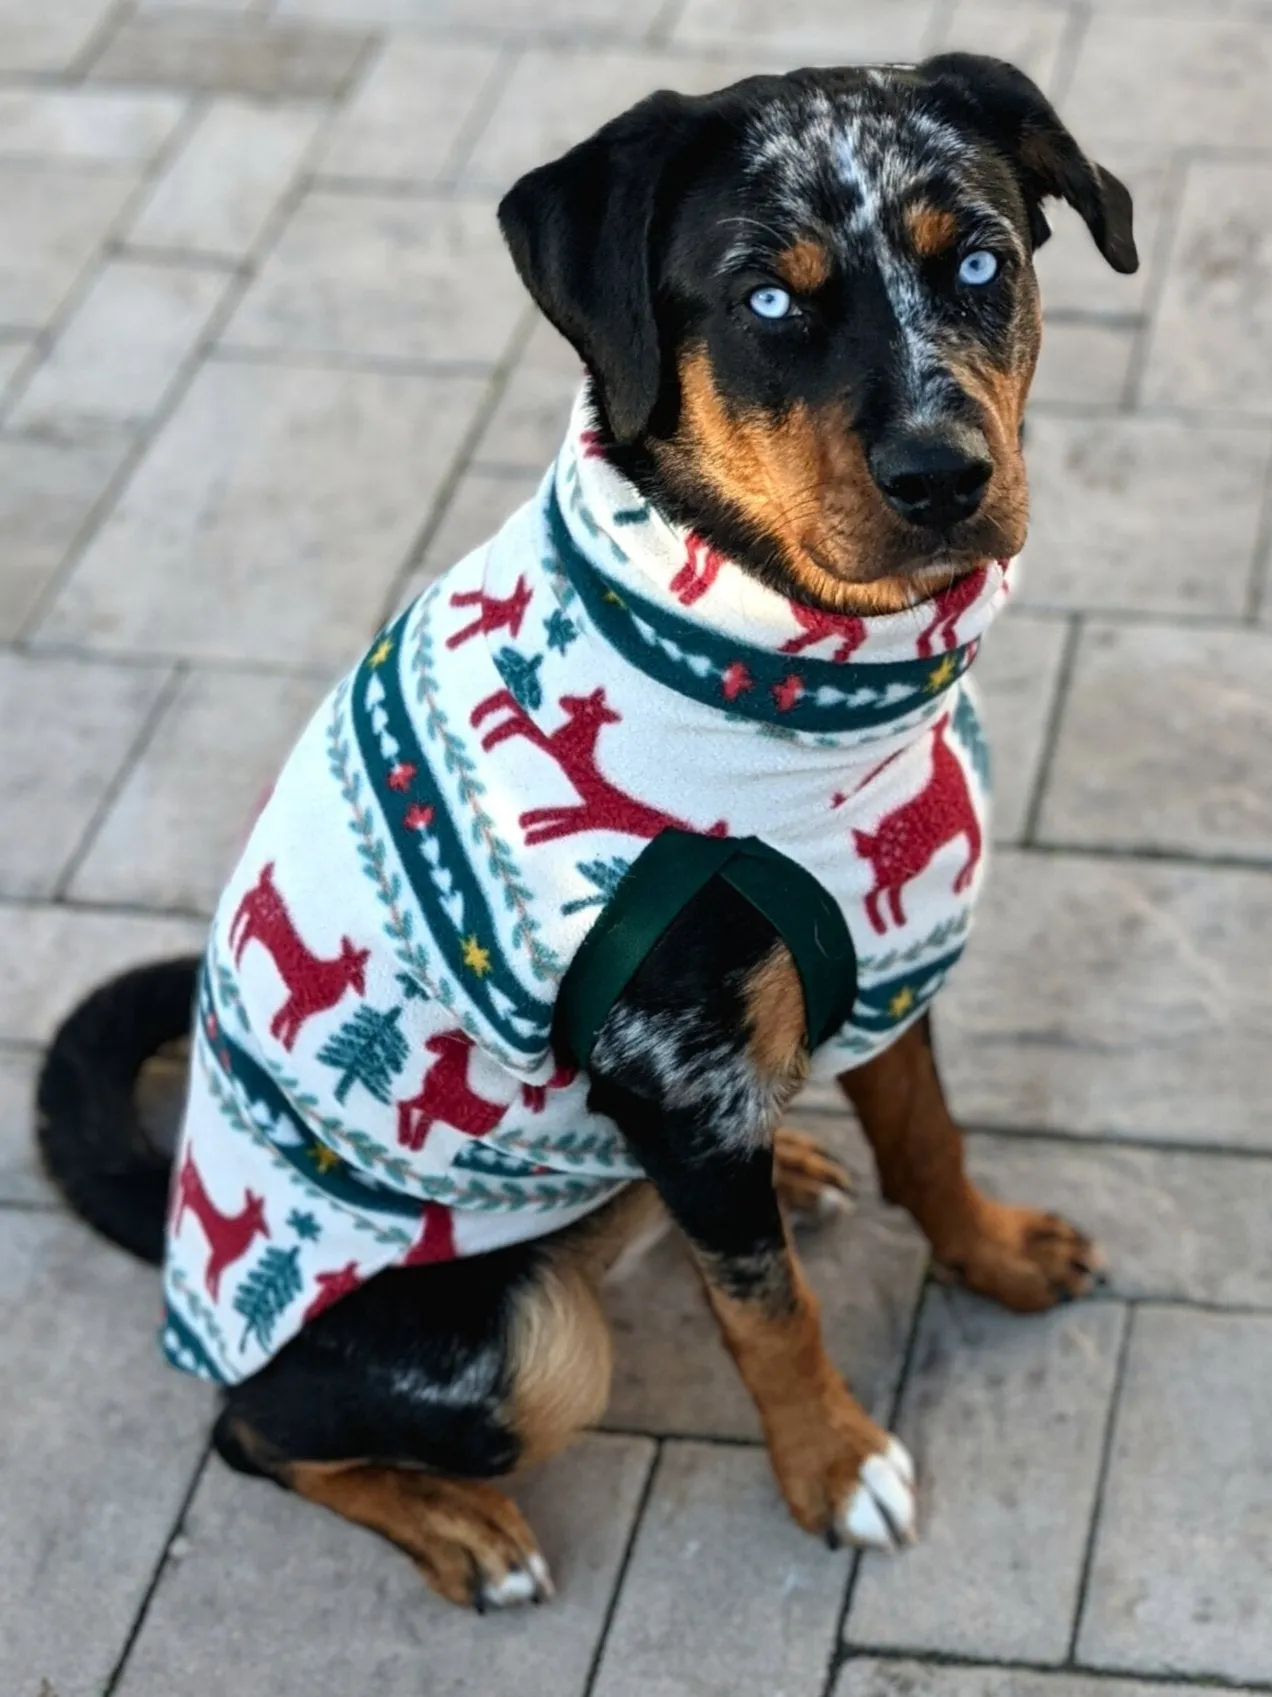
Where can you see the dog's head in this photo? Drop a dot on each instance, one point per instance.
(810, 314)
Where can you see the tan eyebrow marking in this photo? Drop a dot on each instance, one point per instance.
(932, 230)
(805, 265)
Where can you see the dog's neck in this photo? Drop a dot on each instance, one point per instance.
(702, 624)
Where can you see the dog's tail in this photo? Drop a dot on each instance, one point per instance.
(89, 1129)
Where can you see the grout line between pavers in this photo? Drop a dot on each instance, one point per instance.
(839, 1649)
(1196, 418)
(1051, 731)
(658, 35)
(1072, 40)
(936, 32)
(1172, 201)
(185, 373)
(318, 671)
(602, 1638)
(1261, 555)
(477, 120)
(1138, 617)
(1146, 1142)
(949, 1659)
(143, 1609)
(1101, 1481)
(98, 40)
(100, 909)
(133, 754)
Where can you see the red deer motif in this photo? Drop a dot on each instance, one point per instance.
(331, 1287)
(229, 1235)
(818, 626)
(699, 572)
(905, 840)
(535, 1096)
(602, 805)
(313, 984)
(497, 612)
(446, 1095)
(947, 609)
(436, 1241)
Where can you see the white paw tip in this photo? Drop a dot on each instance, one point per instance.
(832, 1200)
(519, 1585)
(881, 1512)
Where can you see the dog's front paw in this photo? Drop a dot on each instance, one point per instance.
(845, 1478)
(1026, 1259)
(811, 1184)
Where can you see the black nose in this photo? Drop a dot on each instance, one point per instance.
(932, 479)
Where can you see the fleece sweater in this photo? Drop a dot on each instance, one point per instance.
(373, 1083)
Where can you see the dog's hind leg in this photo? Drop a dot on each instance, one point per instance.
(1022, 1257)
(400, 1404)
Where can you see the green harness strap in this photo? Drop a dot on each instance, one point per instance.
(659, 884)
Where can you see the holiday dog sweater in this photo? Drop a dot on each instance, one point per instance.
(373, 1082)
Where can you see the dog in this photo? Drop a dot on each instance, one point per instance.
(784, 514)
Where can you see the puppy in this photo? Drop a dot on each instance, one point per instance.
(668, 795)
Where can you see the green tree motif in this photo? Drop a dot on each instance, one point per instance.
(521, 674)
(368, 1050)
(272, 1283)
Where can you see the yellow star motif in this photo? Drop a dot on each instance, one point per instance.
(616, 598)
(380, 653)
(476, 957)
(901, 1003)
(324, 1157)
(941, 675)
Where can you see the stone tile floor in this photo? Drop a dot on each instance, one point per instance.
(263, 368)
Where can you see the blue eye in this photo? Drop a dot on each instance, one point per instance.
(978, 268)
(770, 302)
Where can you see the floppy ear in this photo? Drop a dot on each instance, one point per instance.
(581, 234)
(1014, 113)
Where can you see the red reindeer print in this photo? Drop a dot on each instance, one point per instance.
(535, 1096)
(818, 626)
(602, 805)
(947, 609)
(331, 1287)
(446, 1096)
(314, 984)
(905, 840)
(497, 612)
(699, 572)
(229, 1236)
(436, 1241)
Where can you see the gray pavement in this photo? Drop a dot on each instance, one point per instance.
(264, 368)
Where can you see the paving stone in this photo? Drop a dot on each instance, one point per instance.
(724, 1595)
(87, 125)
(55, 218)
(55, 955)
(183, 814)
(868, 1676)
(331, 1607)
(35, 36)
(1176, 1225)
(122, 347)
(850, 32)
(1029, 37)
(1073, 274)
(232, 55)
(1212, 339)
(20, 1177)
(217, 195)
(528, 423)
(47, 489)
(1084, 362)
(1188, 781)
(672, 1373)
(410, 109)
(478, 507)
(1005, 1418)
(66, 728)
(100, 1443)
(382, 277)
(1017, 672)
(506, 17)
(1178, 1580)
(270, 517)
(1104, 997)
(557, 96)
(1207, 75)
(1143, 514)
